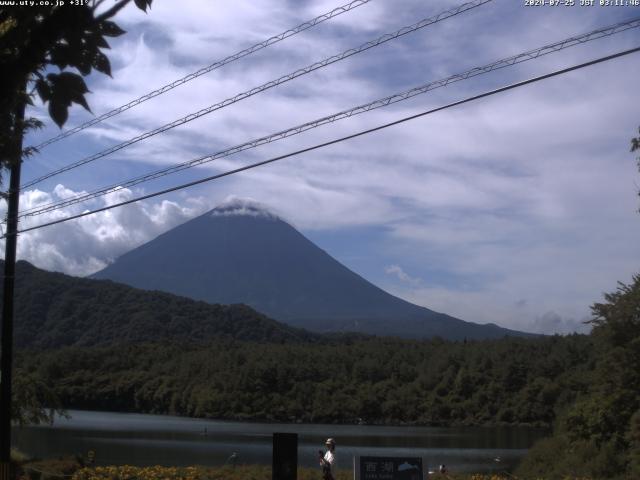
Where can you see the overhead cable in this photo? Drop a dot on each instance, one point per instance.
(333, 142)
(220, 63)
(266, 86)
(395, 98)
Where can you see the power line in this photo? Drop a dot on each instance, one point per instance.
(335, 141)
(266, 86)
(220, 63)
(554, 47)
(395, 98)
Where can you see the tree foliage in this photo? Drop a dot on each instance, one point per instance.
(41, 49)
(376, 380)
(600, 433)
(47, 50)
(34, 401)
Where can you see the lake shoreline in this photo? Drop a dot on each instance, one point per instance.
(355, 422)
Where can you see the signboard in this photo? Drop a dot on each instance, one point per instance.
(388, 468)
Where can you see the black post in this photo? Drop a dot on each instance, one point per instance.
(285, 456)
(6, 358)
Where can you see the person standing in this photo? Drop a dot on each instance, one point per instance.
(328, 460)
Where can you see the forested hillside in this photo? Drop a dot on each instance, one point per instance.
(511, 381)
(54, 310)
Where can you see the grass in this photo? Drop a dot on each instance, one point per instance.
(18, 457)
(69, 469)
(241, 472)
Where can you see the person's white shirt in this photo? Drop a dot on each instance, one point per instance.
(330, 458)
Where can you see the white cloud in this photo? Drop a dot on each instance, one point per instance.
(489, 305)
(551, 322)
(398, 272)
(238, 206)
(85, 245)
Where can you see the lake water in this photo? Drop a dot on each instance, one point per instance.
(135, 439)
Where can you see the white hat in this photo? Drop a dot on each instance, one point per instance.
(330, 441)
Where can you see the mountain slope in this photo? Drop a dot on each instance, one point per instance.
(54, 310)
(242, 253)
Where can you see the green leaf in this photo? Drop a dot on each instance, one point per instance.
(143, 4)
(83, 63)
(80, 100)
(67, 88)
(44, 89)
(101, 42)
(72, 82)
(110, 29)
(101, 63)
(61, 56)
(58, 112)
(33, 123)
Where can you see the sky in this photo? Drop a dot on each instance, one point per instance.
(520, 209)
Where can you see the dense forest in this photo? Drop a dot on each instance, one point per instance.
(511, 381)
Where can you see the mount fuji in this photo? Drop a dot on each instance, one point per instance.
(241, 252)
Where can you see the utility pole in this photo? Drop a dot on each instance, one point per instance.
(6, 358)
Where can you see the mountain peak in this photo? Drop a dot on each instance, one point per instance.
(242, 252)
(243, 206)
